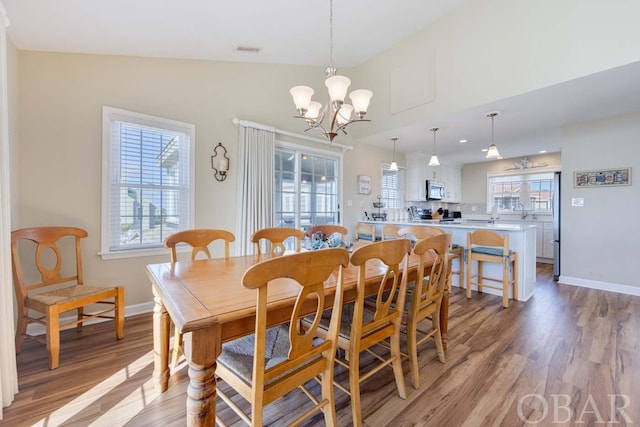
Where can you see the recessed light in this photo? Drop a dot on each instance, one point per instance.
(484, 150)
(542, 151)
(500, 157)
(462, 141)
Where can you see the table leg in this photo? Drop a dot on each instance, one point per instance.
(444, 311)
(160, 344)
(201, 348)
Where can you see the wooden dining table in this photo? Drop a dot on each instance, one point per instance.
(207, 303)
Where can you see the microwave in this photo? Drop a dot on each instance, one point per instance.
(434, 190)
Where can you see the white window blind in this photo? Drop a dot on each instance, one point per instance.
(147, 181)
(392, 188)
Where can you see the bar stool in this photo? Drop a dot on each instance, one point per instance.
(365, 231)
(489, 246)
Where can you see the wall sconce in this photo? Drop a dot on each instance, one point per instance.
(220, 163)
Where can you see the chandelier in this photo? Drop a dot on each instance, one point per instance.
(340, 115)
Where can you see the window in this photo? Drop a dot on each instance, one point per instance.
(307, 186)
(392, 188)
(529, 193)
(147, 182)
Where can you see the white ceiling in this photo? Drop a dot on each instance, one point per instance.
(297, 32)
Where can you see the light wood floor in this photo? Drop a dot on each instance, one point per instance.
(567, 353)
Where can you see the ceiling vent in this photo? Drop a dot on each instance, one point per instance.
(248, 49)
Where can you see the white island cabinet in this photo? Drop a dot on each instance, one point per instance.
(522, 239)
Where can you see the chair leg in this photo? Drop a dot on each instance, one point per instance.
(80, 311)
(53, 336)
(330, 417)
(515, 276)
(394, 342)
(413, 352)
(177, 347)
(21, 329)
(354, 389)
(469, 270)
(505, 284)
(119, 313)
(461, 261)
(435, 320)
(480, 276)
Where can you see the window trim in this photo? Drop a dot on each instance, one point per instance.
(530, 171)
(109, 115)
(403, 181)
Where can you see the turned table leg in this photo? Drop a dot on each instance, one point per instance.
(160, 344)
(201, 348)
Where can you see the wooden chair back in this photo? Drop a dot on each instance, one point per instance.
(365, 231)
(308, 357)
(276, 237)
(426, 297)
(390, 231)
(52, 299)
(488, 238)
(327, 230)
(419, 232)
(199, 240)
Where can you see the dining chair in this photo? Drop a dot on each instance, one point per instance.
(421, 232)
(199, 240)
(327, 230)
(50, 298)
(365, 231)
(276, 237)
(426, 298)
(274, 361)
(363, 328)
(390, 231)
(489, 246)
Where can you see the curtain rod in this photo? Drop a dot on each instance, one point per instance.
(246, 123)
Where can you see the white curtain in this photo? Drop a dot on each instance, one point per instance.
(255, 183)
(8, 371)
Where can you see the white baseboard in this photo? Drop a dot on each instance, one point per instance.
(603, 286)
(132, 310)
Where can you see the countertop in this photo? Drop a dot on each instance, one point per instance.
(461, 223)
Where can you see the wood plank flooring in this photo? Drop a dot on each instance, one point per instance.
(567, 355)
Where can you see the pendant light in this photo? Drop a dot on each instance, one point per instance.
(394, 166)
(434, 158)
(492, 152)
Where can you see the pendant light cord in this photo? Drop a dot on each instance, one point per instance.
(330, 33)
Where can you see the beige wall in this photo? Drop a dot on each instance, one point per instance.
(600, 240)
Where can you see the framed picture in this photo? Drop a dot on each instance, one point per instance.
(364, 184)
(602, 178)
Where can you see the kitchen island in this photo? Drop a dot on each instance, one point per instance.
(522, 239)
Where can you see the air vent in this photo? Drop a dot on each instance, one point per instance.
(248, 49)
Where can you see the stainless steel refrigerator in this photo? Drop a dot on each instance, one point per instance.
(556, 225)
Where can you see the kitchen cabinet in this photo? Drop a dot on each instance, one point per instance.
(451, 177)
(416, 176)
(418, 172)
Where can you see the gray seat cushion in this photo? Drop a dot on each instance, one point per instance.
(488, 250)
